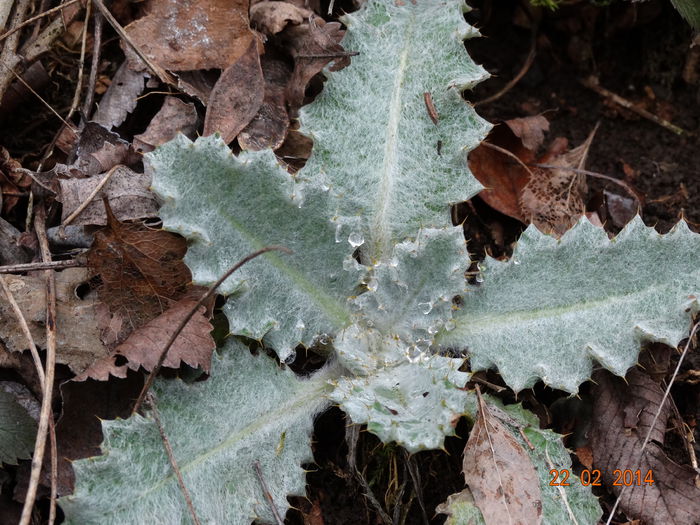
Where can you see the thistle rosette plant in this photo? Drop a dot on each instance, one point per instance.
(375, 270)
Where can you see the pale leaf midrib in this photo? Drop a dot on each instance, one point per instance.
(381, 228)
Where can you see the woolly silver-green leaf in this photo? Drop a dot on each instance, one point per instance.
(391, 168)
(410, 294)
(17, 430)
(566, 504)
(399, 389)
(249, 410)
(556, 305)
(231, 206)
(401, 393)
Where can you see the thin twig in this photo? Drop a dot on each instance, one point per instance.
(331, 55)
(523, 70)
(25, 330)
(81, 65)
(161, 73)
(98, 23)
(509, 154)
(92, 195)
(186, 319)
(9, 56)
(415, 477)
(596, 175)
(54, 472)
(51, 265)
(37, 17)
(667, 392)
(594, 84)
(171, 458)
(45, 415)
(41, 99)
(266, 492)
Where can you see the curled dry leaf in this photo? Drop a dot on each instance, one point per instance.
(141, 270)
(268, 128)
(78, 337)
(185, 36)
(551, 198)
(313, 45)
(271, 17)
(503, 177)
(295, 150)
(500, 474)
(121, 97)
(126, 190)
(193, 346)
(13, 181)
(623, 413)
(175, 116)
(236, 97)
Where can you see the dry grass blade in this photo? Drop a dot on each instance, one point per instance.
(38, 17)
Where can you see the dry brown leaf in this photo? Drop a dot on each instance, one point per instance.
(193, 346)
(503, 177)
(141, 270)
(78, 336)
(530, 130)
(268, 128)
(623, 413)
(127, 191)
(500, 474)
(186, 36)
(295, 150)
(175, 116)
(312, 45)
(121, 97)
(554, 198)
(271, 17)
(236, 97)
(13, 182)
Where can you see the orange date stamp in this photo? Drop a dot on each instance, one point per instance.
(592, 477)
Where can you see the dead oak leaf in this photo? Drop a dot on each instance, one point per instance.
(194, 345)
(271, 17)
(623, 413)
(500, 473)
(236, 96)
(78, 337)
(141, 272)
(186, 36)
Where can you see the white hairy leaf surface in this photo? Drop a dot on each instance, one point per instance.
(556, 305)
(391, 169)
(249, 410)
(229, 207)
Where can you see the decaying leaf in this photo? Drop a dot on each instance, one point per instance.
(236, 97)
(193, 346)
(500, 474)
(141, 270)
(623, 413)
(271, 17)
(126, 190)
(295, 150)
(554, 198)
(13, 182)
(78, 343)
(175, 116)
(121, 97)
(17, 430)
(268, 128)
(185, 36)
(551, 198)
(313, 45)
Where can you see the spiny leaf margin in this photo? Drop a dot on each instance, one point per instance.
(248, 410)
(557, 304)
(392, 170)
